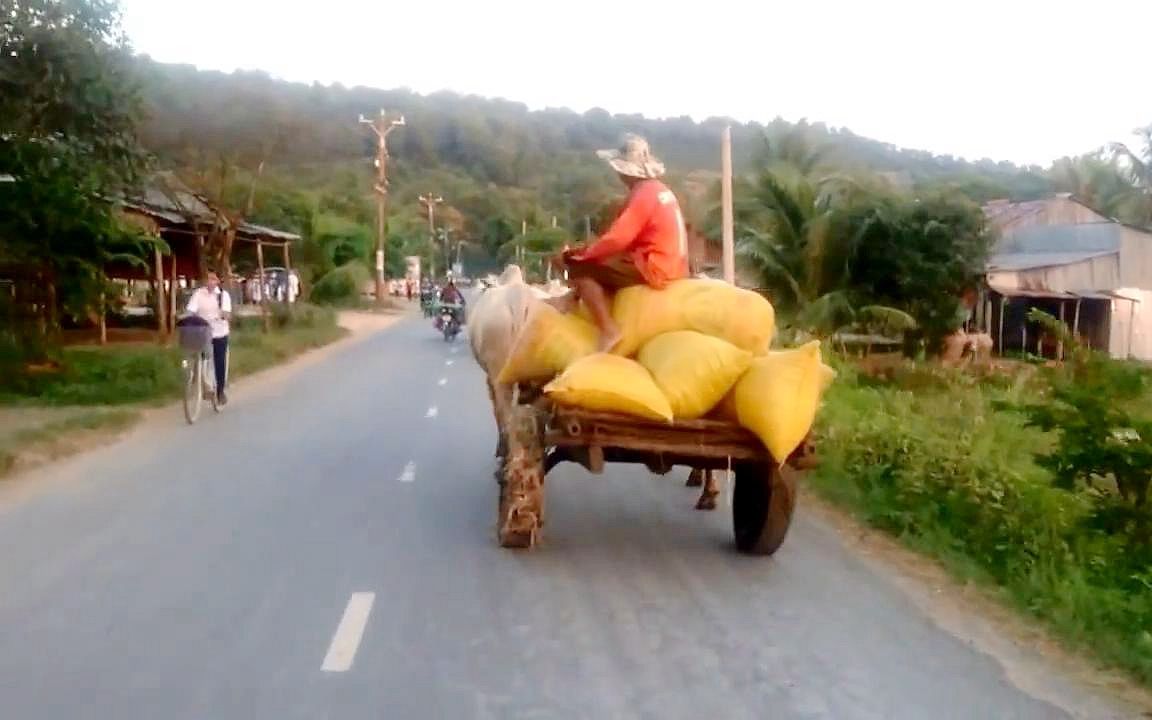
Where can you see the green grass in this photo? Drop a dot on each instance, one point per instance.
(60, 438)
(113, 376)
(928, 457)
(119, 377)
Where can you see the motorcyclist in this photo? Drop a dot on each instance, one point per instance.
(451, 297)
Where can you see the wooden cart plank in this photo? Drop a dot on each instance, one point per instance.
(570, 427)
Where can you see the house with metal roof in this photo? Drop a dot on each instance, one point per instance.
(1063, 257)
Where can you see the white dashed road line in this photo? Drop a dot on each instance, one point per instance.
(409, 474)
(443, 382)
(432, 412)
(346, 640)
(449, 362)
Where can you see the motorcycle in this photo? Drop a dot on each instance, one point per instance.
(448, 321)
(428, 304)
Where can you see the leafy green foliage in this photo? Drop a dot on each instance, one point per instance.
(121, 375)
(68, 115)
(1096, 411)
(837, 251)
(918, 255)
(933, 456)
(341, 285)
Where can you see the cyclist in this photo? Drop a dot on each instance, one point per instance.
(214, 304)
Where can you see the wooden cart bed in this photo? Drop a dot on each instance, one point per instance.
(541, 435)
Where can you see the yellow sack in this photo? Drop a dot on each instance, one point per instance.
(610, 383)
(712, 307)
(693, 370)
(549, 342)
(777, 398)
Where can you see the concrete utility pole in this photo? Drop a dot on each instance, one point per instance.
(727, 231)
(430, 202)
(382, 125)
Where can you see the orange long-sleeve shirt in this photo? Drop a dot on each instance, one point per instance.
(651, 230)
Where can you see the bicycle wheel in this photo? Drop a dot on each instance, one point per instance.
(208, 372)
(192, 394)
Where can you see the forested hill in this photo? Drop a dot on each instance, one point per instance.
(249, 115)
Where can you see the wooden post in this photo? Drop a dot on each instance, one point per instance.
(263, 289)
(103, 310)
(727, 230)
(1076, 320)
(288, 279)
(172, 294)
(1060, 343)
(161, 316)
(1131, 323)
(1000, 329)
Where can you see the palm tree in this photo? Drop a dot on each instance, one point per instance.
(1094, 180)
(792, 146)
(1136, 167)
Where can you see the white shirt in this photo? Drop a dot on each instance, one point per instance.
(212, 306)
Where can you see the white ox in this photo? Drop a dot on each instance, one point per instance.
(493, 324)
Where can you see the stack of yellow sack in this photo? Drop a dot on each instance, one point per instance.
(694, 349)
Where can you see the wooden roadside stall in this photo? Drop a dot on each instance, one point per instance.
(184, 221)
(258, 239)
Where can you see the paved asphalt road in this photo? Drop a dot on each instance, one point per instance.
(227, 570)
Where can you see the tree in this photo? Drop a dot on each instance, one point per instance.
(1136, 167)
(1094, 180)
(68, 116)
(918, 255)
(786, 234)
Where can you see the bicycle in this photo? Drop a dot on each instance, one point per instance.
(196, 366)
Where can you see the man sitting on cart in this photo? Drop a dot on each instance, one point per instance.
(647, 244)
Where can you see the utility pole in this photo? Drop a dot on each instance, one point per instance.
(430, 202)
(382, 125)
(520, 246)
(727, 230)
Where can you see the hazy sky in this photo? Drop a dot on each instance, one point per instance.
(1021, 80)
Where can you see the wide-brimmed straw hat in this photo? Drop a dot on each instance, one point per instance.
(633, 158)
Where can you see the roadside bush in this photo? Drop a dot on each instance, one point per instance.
(341, 285)
(101, 376)
(283, 316)
(954, 473)
(128, 374)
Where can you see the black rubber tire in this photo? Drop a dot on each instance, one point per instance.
(193, 398)
(762, 505)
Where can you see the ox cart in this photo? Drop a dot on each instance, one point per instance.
(540, 435)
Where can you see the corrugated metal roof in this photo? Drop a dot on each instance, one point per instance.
(260, 231)
(1008, 262)
(165, 215)
(1079, 238)
(1056, 295)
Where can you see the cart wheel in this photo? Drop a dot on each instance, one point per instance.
(522, 489)
(762, 505)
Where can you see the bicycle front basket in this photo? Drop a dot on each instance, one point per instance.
(194, 338)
